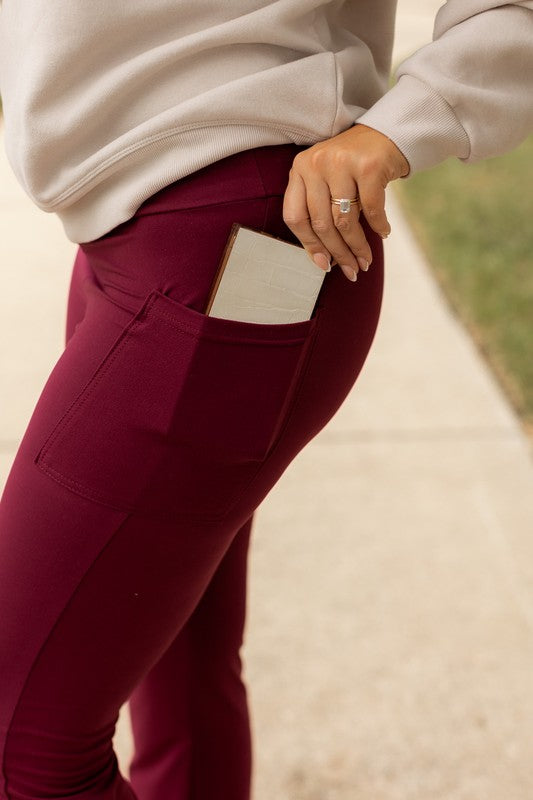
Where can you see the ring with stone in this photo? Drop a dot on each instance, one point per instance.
(345, 203)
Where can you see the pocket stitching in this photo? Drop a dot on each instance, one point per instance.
(83, 489)
(78, 403)
(87, 391)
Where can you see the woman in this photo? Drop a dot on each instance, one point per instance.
(126, 516)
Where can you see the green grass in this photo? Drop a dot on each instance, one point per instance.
(475, 224)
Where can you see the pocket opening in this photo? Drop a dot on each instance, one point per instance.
(197, 323)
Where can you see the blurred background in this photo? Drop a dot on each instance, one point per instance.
(389, 645)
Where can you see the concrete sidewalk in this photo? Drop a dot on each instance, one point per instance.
(389, 646)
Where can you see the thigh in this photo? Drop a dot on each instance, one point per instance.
(99, 636)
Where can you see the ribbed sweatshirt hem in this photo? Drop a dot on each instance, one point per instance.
(134, 176)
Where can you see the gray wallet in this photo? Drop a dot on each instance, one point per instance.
(264, 279)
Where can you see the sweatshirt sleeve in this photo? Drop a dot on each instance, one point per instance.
(468, 93)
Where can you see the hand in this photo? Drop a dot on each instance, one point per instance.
(359, 161)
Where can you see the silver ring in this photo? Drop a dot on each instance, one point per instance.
(345, 203)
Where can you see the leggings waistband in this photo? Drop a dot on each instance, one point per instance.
(256, 172)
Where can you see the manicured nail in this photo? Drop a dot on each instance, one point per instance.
(322, 261)
(363, 263)
(349, 272)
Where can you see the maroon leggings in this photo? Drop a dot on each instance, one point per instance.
(126, 516)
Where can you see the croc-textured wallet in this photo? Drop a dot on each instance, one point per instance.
(264, 279)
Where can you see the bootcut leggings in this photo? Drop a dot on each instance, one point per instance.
(126, 515)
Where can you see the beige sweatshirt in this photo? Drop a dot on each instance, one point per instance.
(105, 103)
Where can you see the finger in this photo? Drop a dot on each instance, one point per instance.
(350, 228)
(372, 195)
(296, 217)
(323, 224)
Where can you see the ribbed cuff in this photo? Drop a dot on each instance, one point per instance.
(419, 122)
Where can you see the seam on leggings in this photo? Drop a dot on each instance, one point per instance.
(257, 169)
(90, 386)
(202, 206)
(288, 418)
(83, 490)
(265, 217)
(296, 397)
(9, 725)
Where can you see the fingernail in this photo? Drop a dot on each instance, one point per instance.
(386, 234)
(322, 261)
(349, 272)
(363, 263)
